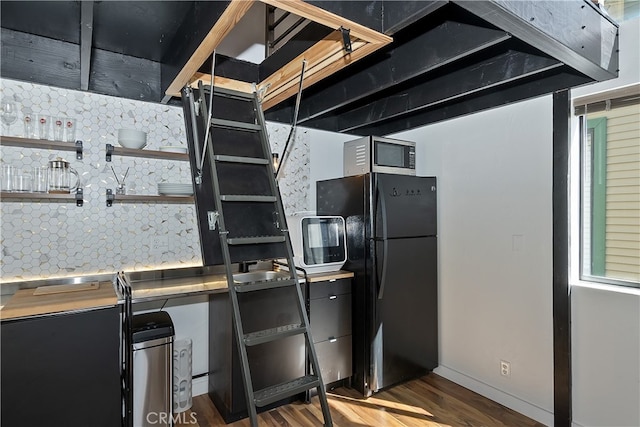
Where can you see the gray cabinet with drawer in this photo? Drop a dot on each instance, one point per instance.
(329, 303)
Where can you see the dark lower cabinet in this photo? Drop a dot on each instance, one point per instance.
(330, 318)
(62, 370)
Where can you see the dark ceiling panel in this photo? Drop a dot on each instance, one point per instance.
(125, 76)
(41, 60)
(448, 57)
(398, 14)
(143, 29)
(58, 20)
(364, 12)
(571, 31)
(517, 91)
(486, 74)
(405, 60)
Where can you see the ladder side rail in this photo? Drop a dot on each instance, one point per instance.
(237, 322)
(292, 271)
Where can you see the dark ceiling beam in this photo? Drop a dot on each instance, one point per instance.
(86, 40)
(196, 25)
(384, 16)
(573, 32)
(124, 76)
(488, 74)
(397, 15)
(447, 43)
(40, 60)
(526, 89)
(365, 12)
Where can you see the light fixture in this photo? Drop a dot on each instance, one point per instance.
(275, 161)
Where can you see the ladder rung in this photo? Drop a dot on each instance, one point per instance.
(268, 335)
(273, 394)
(254, 240)
(246, 198)
(264, 285)
(238, 159)
(228, 93)
(231, 124)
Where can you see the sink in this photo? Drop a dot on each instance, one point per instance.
(258, 276)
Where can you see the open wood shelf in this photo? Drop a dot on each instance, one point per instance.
(150, 154)
(6, 196)
(16, 141)
(143, 198)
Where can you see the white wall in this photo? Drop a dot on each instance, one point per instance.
(494, 171)
(605, 320)
(326, 158)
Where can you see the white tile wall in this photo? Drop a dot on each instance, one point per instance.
(40, 240)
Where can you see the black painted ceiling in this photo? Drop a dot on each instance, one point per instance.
(448, 58)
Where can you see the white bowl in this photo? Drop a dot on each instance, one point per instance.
(132, 138)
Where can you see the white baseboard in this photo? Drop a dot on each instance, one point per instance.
(200, 386)
(525, 408)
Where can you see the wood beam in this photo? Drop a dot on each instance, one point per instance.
(223, 82)
(229, 18)
(86, 42)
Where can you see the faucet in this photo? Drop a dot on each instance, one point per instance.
(243, 266)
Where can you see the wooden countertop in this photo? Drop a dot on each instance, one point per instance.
(38, 301)
(178, 286)
(332, 275)
(57, 299)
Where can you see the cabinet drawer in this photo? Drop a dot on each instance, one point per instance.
(329, 287)
(334, 357)
(330, 317)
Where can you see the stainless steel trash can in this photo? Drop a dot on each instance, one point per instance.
(152, 341)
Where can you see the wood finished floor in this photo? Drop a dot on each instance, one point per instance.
(429, 401)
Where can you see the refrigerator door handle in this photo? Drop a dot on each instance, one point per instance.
(381, 207)
(383, 273)
(380, 203)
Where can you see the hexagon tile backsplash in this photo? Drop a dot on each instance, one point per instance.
(47, 240)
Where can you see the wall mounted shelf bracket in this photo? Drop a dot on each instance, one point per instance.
(110, 196)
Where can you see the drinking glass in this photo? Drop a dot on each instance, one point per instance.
(22, 181)
(8, 173)
(43, 126)
(9, 112)
(29, 120)
(40, 179)
(58, 128)
(70, 124)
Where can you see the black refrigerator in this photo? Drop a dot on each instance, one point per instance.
(392, 249)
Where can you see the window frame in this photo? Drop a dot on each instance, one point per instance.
(597, 127)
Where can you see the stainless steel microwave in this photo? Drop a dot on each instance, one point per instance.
(377, 154)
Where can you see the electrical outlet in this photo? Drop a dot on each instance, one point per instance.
(505, 368)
